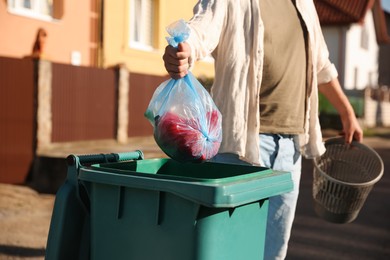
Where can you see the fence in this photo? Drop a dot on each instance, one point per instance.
(84, 103)
(17, 118)
(42, 103)
(377, 107)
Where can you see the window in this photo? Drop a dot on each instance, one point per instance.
(355, 77)
(141, 24)
(41, 9)
(364, 37)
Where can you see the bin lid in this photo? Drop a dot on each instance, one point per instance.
(210, 184)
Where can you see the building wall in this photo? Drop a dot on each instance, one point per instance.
(361, 67)
(116, 34)
(72, 32)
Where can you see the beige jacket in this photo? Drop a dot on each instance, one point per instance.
(232, 31)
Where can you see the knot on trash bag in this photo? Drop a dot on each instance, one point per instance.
(179, 32)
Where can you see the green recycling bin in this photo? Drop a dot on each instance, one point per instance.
(163, 209)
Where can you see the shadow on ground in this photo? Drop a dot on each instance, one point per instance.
(21, 251)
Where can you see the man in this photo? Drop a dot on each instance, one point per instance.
(270, 61)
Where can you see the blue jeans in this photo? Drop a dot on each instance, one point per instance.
(278, 152)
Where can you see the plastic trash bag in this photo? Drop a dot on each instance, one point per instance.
(187, 124)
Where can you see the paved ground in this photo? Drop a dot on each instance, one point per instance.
(25, 217)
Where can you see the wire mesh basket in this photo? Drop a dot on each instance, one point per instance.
(342, 179)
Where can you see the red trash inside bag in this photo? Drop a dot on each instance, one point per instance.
(183, 140)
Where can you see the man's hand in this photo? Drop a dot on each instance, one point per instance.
(176, 61)
(351, 128)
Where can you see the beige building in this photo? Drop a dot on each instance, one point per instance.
(135, 31)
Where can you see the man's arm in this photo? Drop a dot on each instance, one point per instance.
(333, 92)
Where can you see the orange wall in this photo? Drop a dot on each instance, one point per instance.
(70, 33)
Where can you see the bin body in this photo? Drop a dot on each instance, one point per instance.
(161, 209)
(130, 223)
